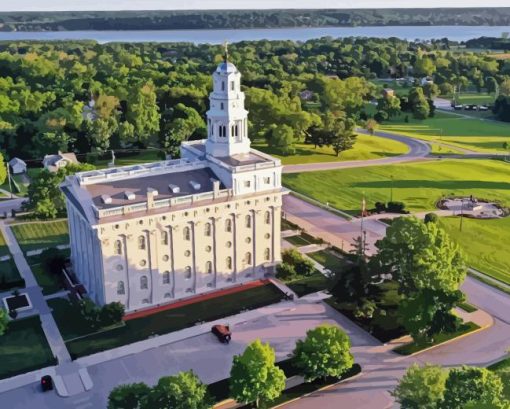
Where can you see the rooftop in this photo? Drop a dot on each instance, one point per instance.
(127, 191)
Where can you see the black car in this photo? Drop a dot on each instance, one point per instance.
(46, 383)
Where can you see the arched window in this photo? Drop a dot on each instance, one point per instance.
(166, 277)
(228, 262)
(232, 85)
(208, 267)
(144, 282)
(186, 233)
(267, 217)
(247, 258)
(118, 247)
(141, 242)
(247, 221)
(222, 106)
(267, 254)
(228, 225)
(236, 130)
(207, 229)
(164, 238)
(187, 272)
(222, 86)
(120, 288)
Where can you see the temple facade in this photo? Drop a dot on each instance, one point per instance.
(152, 234)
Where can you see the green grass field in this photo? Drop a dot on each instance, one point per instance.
(4, 250)
(475, 98)
(366, 147)
(39, 235)
(135, 159)
(469, 133)
(485, 244)
(418, 185)
(24, 348)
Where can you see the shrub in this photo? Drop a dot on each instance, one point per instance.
(380, 207)
(301, 265)
(53, 260)
(285, 271)
(396, 207)
(431, 218)
(111, 313)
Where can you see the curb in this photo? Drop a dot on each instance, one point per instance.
(319, 390)
(448, 341)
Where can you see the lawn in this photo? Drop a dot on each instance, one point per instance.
(10, 277)
(49, 282)
(502, 368)
(418, 185)
(297, 240)
(328, 260)
(366, 147)
(24, 348)
(162, 322)
(131, 159)
(485, 243)
(470, 133)
(414, 347)
(480, 98)
(4, 250)
(40, 235)
(308, 285)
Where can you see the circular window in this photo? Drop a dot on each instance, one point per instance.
(166, 258)
(229, 244)
(248, 240)
(163, 218)
(140, 221)
(208, 249)
(120, 267)
(143, 263)
(267, 235)
(117, 227)
(187, 253)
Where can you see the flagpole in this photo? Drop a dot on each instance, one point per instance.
(363, 206)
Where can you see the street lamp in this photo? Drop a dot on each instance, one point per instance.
(461, 213)
(391, 188)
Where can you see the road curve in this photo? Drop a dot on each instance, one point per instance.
(418, 150)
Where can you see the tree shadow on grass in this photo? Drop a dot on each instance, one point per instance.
(433, 184)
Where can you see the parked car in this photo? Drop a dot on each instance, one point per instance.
(222, 332)
(483, 108)
(458, 107)
(46, 383)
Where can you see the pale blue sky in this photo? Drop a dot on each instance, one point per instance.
(7, 5)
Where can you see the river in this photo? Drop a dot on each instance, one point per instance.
(455, 33)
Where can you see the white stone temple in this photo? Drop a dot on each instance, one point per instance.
(152, 234)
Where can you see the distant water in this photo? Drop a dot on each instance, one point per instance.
(455, 33)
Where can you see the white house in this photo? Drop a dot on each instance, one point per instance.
(17, 166)
(54, 162)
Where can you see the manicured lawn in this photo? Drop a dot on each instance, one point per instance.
(24, 348)
(49, 282)
(328, 260)
(475, 98)
(467, 307)
(418, 185)
(297, 240)
(10, 277)
(132, 159)
(307, 285)
(471, 133)
(366, 147)
(413, 347)
(485, 244)
(4, 250)
(39, 235)
(165, 321)
(502, 368)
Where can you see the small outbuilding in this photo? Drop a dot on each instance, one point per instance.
(54, 162)
(17, 166)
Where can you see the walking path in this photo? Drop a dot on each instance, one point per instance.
(68, 380)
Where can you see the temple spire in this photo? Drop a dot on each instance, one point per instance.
(225, 51)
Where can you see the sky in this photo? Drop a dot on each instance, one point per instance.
(49, 5)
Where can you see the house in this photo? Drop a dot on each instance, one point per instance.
(54, 162)
(427, 80)
(17, 166)
(388, 92)
(155, 233)
(306, 95)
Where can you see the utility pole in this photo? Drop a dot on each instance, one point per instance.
(461, 213)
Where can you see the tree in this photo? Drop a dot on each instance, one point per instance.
(504, 87)
(421, 256)
(100, 131)
(111, 313)
(254, 377)
(389, 104)
(4, 321)
(301, 265)
(431, 218)
(129, 396)
(181, 391)
(421, 387)
(424, 66)
(44, 196)
(341, 135)
(371, 126)
(324, 352)
(282, 138)
(419, 104)
(468, 384)
(143, 111)
(3, 169)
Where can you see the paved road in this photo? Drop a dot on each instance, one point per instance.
(418, 150)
